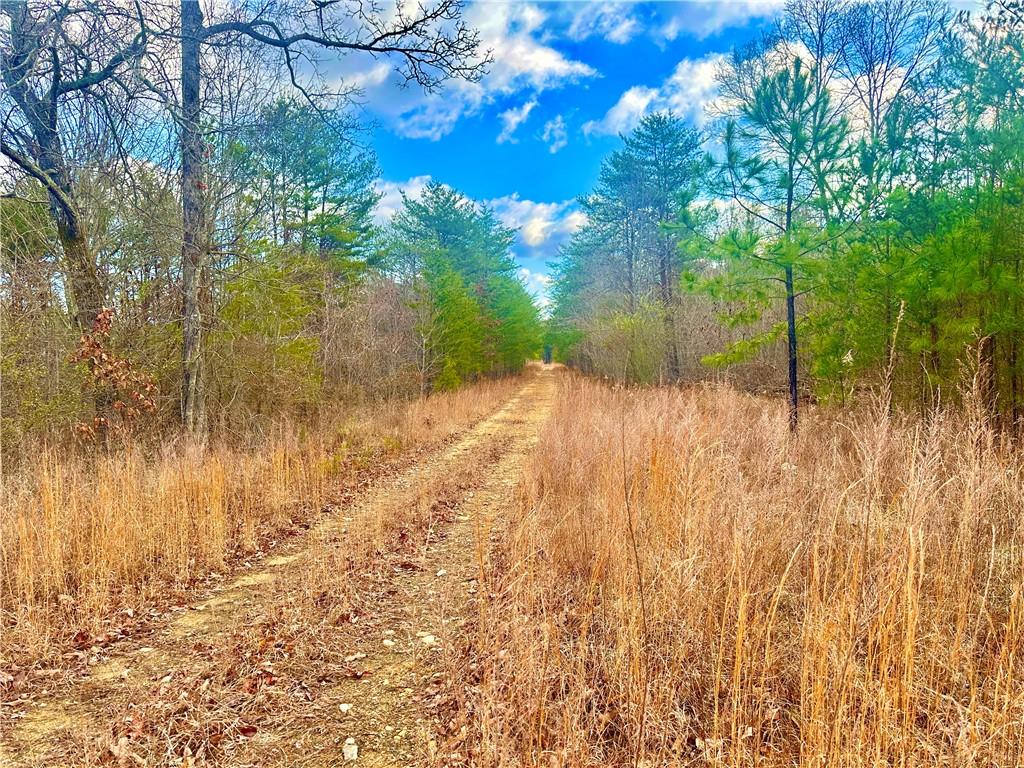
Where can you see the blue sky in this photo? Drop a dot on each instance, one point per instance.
(567, 77)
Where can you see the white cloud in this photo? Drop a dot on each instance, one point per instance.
(615, 22)
(523, 61)
(619, 21)
(574, 221)
(512, 118)
(555, 134)
(391, 195)
(626, 112)
(709, 17)
(687, 92)
(536, 283)
(376, 75)
(540, 225)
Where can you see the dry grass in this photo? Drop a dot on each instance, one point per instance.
(261, 683)
(684, 584)
(87, 541)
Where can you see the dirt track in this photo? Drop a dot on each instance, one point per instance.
(299, 657)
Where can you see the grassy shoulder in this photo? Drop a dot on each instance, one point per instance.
(91, 546)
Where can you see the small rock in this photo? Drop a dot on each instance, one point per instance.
(442, 572)
(350, 750)
(344, 707)
(355, 657)
(428, 640)
(389, 642)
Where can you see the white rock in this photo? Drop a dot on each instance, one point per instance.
(428, 639)
(350, 750)
(344, 707)
(442, 572)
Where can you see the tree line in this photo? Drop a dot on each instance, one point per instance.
(851, 209)
(187, 220)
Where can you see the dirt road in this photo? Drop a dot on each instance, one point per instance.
(337, 647)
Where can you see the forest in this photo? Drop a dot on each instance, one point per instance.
(267, 290)
(714, 460)
(858, 216)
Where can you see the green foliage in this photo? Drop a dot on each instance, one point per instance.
(264, 342)
(475, 314)
(317, 180)
(863, 209)
(619, 273)
(745, 349)
(452, 324)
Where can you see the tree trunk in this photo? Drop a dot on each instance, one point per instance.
(46, 149)
(791, 338)
(794, 395)
(666, 301)
(193, 412)
(1014, 358)
(87, 291)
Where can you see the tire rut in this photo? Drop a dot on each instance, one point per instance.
(409, 604)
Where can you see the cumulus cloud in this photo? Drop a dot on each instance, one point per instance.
(687, 92)
(512, 118)
(391, 195)
(626, 112)
(540, 225)
(615, 22)
(524, 62)
(709, 17)
(555, 134)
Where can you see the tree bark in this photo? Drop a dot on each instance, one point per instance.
(193, 249)
(794, 400)
(87, 291)
(43, 159)
(666, 277)
(794, 393)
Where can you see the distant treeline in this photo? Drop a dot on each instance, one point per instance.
(852, 207)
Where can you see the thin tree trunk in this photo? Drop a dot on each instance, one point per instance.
(794, 396)
(192, 248)
(1014, 357)
(666, 300)
(794, 401)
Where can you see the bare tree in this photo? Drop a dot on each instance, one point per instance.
(65, 67)
(887, 44)
(429, 44)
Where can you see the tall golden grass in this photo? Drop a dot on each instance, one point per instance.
(85, 537)
(685, 584)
